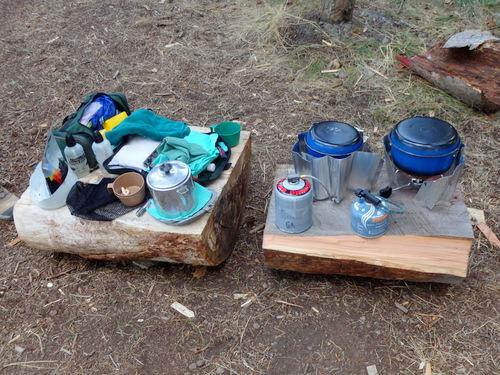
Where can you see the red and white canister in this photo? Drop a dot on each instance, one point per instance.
(293, 204)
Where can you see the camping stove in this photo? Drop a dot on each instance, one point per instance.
(430, 189)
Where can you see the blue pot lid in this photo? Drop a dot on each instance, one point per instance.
(333, 133)
(425, 132)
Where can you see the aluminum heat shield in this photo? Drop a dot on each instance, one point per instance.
(340, 176)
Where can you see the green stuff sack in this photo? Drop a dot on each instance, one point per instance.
(84, 135)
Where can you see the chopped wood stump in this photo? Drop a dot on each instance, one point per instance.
(207, 241)
(420, 245)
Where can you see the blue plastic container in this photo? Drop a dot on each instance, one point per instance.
(333, 138)
(424, 146)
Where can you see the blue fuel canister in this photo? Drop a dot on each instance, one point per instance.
(369, 215)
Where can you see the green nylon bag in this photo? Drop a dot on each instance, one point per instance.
(82, 134)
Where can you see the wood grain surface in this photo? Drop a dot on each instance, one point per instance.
(421, 244)
(207, 241)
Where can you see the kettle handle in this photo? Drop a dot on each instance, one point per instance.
(183, 192)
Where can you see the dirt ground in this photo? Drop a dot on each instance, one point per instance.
(187, 60)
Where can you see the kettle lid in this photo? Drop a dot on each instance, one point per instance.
(168, 175)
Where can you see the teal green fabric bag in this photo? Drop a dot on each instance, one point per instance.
(197, 150)
(179, 149)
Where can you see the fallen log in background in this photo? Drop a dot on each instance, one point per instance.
(470, 73)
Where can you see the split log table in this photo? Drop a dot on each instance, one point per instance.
(420, 245)
(207, 241)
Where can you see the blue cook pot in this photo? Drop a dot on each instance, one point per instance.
(424, 146)
(332, 138)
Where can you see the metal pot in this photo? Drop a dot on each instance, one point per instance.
(424, 146)
(333, 138)
(172, 188)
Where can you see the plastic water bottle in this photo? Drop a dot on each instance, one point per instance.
(75, 156)
(102, 148)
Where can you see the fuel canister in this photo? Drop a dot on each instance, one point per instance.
(369, 215)
(293, 201)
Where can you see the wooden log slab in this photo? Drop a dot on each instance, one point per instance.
(420, 245)
(207, 241)
(471, 75)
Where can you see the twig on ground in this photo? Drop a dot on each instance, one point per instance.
(14, 339)
(114, 363)
(15, 241)
(257, 228)
(74, 341)
(39, 340)
(31, 364)
(51, 303)
(287, 303)
(401, 6)
(244, 329)
(359, 79)
(250, 367)
(377, 72)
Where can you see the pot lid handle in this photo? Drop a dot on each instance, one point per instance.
(165, 168)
